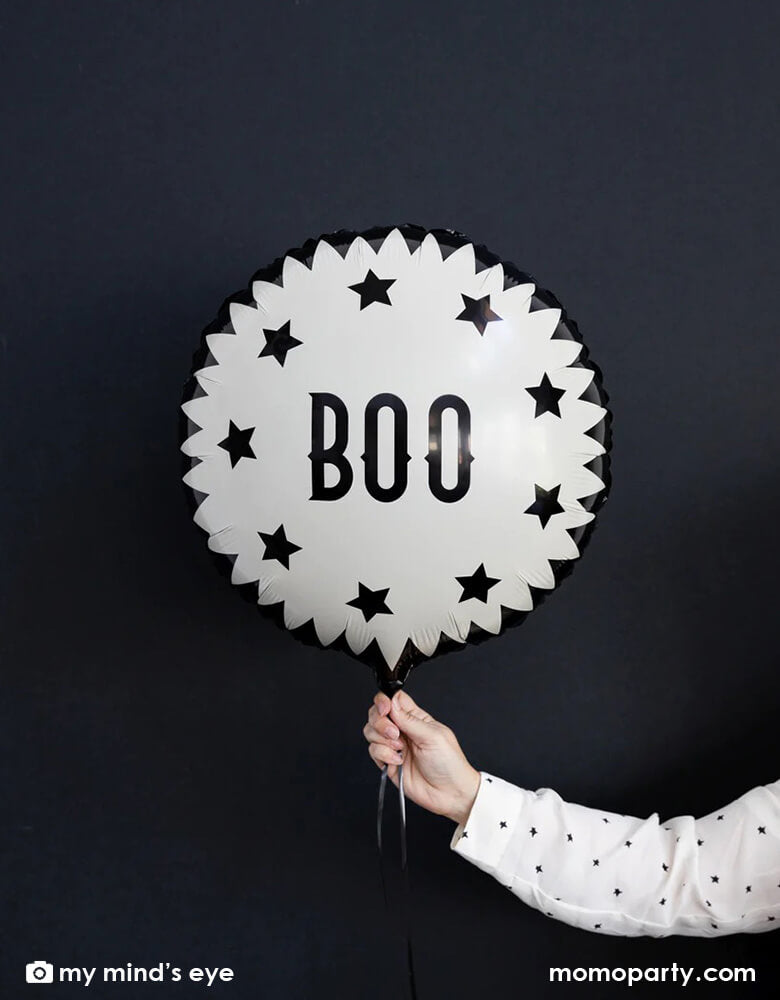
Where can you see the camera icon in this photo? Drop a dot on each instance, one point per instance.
(40, 972)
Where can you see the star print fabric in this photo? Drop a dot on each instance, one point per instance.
(623, 875)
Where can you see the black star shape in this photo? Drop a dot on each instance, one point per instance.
(478, 312)
(370, 602)
(748, 888)
(662, 901)
(546, 504)
(489, 781)
(278, 546)
(699, 843)
(770, 918)
(721, 816)
(502, 824)
(597, 926)
(762, 829)
(464, 834)
(373, 289)
(538, 869)
(237, 445)
(595, 862)
(714, 925)
(618, 892)
(278, 343)
(569, 837)
(628, 843)
(546, 396)
(605, 820)
(708, 902)
(715, 879)
(533, 831)
(665, 867)
(477, 585)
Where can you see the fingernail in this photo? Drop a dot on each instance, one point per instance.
(392, 732)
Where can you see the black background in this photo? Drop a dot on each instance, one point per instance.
(183, 782)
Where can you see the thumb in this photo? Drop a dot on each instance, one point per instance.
(409, 717)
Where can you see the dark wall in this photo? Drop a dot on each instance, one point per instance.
(183, 782)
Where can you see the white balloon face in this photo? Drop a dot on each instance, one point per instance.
(394, 445)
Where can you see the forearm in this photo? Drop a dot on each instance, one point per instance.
(624, 875)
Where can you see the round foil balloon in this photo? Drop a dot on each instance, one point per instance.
(395, 442)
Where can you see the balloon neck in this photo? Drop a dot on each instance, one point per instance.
(390, 685)
(390, 681)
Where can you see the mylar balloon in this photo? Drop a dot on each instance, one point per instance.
(395, 442)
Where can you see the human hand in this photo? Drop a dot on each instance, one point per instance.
(437, 775)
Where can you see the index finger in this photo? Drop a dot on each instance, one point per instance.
(382, 703)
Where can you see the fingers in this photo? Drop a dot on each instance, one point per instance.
(382, 703)
(386, 734)
(382, 754)
(379, 728)
(377, 720)
(410, 718)
(409, 705)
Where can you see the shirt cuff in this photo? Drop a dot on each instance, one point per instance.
(485, 835)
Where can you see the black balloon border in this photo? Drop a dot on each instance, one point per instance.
(392, 679)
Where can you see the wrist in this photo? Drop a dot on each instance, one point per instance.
(465, 796)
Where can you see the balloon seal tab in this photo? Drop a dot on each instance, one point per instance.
(389, 685)
(389, 681)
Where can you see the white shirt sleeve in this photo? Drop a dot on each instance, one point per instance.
(622, 875)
